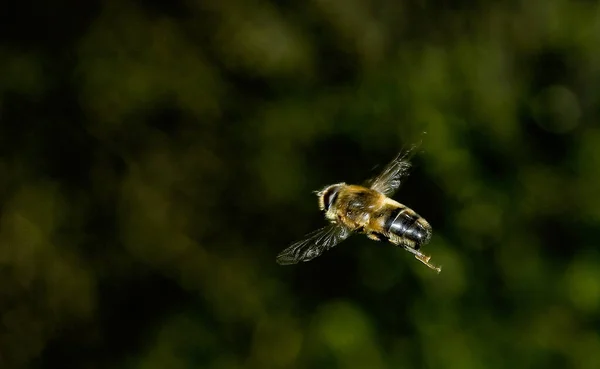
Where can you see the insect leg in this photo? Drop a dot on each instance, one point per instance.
(373, 237)
(423, 258)
(376, 236)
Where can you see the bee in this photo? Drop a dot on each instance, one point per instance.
(365, 210)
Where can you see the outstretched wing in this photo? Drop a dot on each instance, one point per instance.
(313, 244)
(391, 177)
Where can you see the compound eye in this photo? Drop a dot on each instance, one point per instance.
(330, 196)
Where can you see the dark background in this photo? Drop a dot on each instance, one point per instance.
(154, 159)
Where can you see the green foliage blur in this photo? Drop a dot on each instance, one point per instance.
(155, 157)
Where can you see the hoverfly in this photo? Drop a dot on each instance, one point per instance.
(365, 210)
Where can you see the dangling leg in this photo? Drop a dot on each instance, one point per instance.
(423, 258)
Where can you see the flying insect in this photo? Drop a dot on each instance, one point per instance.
(365, 209)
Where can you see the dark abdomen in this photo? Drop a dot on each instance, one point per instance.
(409, 228)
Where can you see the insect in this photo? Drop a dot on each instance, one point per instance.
(365, 210)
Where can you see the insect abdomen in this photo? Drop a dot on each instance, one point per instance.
(407, 225)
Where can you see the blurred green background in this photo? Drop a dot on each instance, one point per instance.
(155, 157)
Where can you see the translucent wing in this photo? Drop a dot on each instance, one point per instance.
(313, 244)
(391, 177)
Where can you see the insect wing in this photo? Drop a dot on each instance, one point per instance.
(389, 180)
(313, 244)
